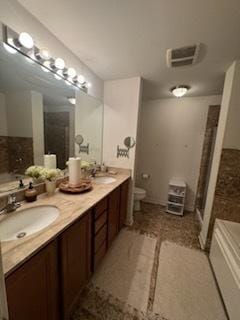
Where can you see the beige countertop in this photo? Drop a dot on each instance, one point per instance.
(71, 207)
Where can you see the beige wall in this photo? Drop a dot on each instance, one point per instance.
(121, 111)
(170, 144)
(19, 19)
(3, 115)
(89, 124)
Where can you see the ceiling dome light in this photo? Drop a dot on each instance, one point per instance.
(180, 91)
(72, 100)
(71, 72)
(59, 63)
(26, 40)
(9, 48)
(81, 79)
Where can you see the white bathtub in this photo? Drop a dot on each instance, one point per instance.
(225, 260)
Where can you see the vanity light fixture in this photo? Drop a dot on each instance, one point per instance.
(72, 100)
(180, 91)
(25, 40)
(24, 44)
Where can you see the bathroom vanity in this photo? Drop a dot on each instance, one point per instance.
(46, 271)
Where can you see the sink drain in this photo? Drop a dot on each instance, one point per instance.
(21, 235)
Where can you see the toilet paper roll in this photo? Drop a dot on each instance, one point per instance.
(74, 167)
(145, 176)
(50, 161)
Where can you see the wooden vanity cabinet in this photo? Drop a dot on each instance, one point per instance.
(113, 214)
(75, 253)
(32, 289)
(123, 203)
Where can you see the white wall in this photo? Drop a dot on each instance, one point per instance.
(37, 127)
(3, 116)
(121, 111)
(231, 137)
(171, 138)
(89, 124)
(230, 99)
(19, 19)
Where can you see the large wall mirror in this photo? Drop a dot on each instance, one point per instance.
(40, 114)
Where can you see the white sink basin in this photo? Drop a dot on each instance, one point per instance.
(104, 180)
(22, 223)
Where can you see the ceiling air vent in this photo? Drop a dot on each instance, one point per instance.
(184, 56)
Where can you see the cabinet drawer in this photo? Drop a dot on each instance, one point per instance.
(101, 220)
(100, 237)
(100, 254)
(100, 207)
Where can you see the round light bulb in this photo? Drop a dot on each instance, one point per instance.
(59, 63)
(26, 40)
(71, 72)
(9, 48)
(46, 66)
(81, 79)
(89, 85)
(44, 54)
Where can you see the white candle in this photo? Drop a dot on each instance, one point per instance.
(50, 161)
(74, 166)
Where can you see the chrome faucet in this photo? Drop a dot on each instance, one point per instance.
(12, 205)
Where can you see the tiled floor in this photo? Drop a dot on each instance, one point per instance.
(154, 221)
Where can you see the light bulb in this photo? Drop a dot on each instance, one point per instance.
(46, 66)
(42, 54)
(59, 63)
(71, 72)
(89, 85)
(81, 79)
(9, 48)
(180, 91)
(26, 40)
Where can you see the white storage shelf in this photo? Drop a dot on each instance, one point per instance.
(176, 197)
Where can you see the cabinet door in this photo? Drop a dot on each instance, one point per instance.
(123, 203)
(32, 290)
(113, 214)
(76, 260)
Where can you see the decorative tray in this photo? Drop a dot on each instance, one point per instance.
(84, 186)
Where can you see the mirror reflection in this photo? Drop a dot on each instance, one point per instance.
(41, 114)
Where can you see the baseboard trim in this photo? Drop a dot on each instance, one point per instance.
(201, 241)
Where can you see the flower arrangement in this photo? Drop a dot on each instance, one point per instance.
(40, 173)
(35, 172)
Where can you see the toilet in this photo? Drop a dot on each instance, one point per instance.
(139, 194)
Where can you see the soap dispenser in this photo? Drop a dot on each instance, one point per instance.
(31, 193)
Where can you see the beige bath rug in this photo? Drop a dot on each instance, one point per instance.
(125, 272)
(185, 288)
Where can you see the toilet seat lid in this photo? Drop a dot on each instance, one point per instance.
(139, 191)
